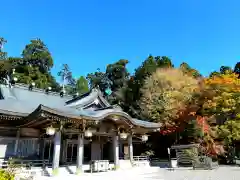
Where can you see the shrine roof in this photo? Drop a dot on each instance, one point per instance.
(19, 101)
(35, 96)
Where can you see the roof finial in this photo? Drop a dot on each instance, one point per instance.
(7, 80)
(10, 80)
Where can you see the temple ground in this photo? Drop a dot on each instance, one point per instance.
(222, 173)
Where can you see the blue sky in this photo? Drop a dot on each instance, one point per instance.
(89, 34)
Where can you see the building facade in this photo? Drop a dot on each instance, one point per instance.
(64, 130)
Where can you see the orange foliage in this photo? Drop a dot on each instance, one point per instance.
(201, 121)
(230, 81)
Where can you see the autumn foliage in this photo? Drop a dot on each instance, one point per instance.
(174, 98)
(168, 96)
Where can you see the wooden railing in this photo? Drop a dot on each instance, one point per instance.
(28, 164)
(140, 158)
(135, 158)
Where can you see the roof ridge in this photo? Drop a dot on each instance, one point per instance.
(39, 90)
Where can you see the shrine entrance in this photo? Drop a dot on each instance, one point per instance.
(107, 151)
(70, 153)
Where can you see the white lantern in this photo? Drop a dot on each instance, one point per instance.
(33, 84)
(49, 88)
(115, 118)
(88, 133)
(15, 79)
(50, 131)
(123, 135)
(144, 138)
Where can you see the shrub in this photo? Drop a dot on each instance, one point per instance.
(5, 175)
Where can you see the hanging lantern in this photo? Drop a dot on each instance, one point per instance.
(50, 131)
(123, 135)
(115, 118)
(15, 79)
(144, 138)
(88, 133)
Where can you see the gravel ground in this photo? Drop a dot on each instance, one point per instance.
(222, 173)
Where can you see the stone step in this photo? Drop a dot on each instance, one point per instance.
(125, 164)
(133, 171)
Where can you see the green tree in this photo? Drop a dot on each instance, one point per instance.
(190, 71)
(68, 82)
(191, 133)
(5, 66)
(34, 66)
(82, 85)
(113, 80)
(98, 79)
(237, 69)
(3, 55)
(222, 70)
(230, 130)
(225, 69)
(118, 74)
(131, 94)
(37, 54)
(214, 73)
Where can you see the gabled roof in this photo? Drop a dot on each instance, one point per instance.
(85, 100)
(19, 101)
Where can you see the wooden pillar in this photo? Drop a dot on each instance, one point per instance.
(64, 151)
(80, 153)
(43, 148)
(17, 142)
(130, 148)
(56, 152)
(116, 151)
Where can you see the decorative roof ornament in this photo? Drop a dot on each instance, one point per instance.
(108, 91)
(10, 80)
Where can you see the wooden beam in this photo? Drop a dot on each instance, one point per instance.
(30, 122)
(39, 123)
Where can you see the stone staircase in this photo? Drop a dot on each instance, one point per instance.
(125, 164)
(133, 173)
